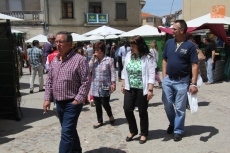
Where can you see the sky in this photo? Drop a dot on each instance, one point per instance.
(162, 7)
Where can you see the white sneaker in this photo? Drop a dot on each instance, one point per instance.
(136, 109)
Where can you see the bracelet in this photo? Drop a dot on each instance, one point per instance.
(193, 85)
(150, 90)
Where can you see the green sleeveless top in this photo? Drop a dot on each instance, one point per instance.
(134, 70)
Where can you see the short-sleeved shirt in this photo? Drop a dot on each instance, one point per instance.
(90, 51)
(123, 51)
(179, 58)
(208, 50)
(134, 70)
(35, 57)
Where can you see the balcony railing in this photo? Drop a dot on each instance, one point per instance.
(93, 18)
(26, 15)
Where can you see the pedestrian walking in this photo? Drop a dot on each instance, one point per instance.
(68, 83)
(48, 47)
(179, 61)
(154, 51)
(138, 78)
(103, 82)
(36, 61)
(210, 57)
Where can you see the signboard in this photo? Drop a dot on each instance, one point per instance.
(218, 11)
(102, 18)
(93, 18)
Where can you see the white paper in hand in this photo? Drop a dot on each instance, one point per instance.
(193, 102)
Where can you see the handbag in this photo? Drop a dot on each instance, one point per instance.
(104, 91)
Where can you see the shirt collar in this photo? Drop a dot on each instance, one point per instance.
(71, 53)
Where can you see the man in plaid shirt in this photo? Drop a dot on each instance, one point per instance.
(36, 61)
(68, 83)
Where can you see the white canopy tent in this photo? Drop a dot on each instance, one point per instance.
(77, 37)
(94, 37)
(145, 30)
(5, 17)
(104, 31)
(207, 19)
(40, 38)
(111, 37)
(16, 31)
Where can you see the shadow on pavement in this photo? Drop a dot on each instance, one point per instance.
(5, 140)
(155, 104)
(85, 109)
(118, 121)
(199, 129)
(30, 115)
(189, 131)
(105, 150)
(114, 99)
(159, 134)
(203, 103)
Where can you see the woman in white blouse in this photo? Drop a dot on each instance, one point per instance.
(138, 78)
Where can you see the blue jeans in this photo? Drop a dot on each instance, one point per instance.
(175, 94)
(209, 67)
(68, 114)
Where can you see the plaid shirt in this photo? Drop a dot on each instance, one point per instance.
(68, 79)
(35, 56)
(103, 73)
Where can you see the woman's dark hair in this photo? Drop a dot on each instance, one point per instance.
(143, 48)
(100, 45)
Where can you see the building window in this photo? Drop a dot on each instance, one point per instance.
(121, 11)
(67, 9)
(149, 19)
(95, 7)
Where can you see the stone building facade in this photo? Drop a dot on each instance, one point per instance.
(79, 16)
(196, 8)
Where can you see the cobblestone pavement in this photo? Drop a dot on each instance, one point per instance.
(207, 131)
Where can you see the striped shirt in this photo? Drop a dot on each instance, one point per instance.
(68, 79)
(103, 73)
(35, 57)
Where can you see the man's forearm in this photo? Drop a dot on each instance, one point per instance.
(164, 64)
(194, 73)
(213, 55)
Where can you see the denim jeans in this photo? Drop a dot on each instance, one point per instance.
(209, 67)
(38, 69)
(174, 97)
(68, 114)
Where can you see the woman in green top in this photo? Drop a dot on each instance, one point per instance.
(138, 78)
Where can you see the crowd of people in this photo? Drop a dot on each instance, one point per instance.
(81, 74)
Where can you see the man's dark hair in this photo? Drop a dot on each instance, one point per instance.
(183, 25)
(207, 39)
(69, 37)
(35, 42)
